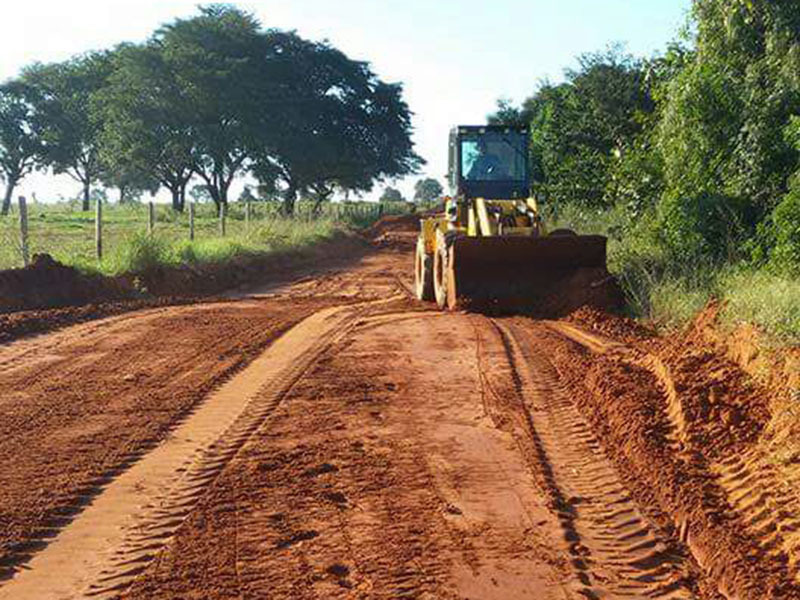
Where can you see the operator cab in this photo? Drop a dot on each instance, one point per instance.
(489, 161)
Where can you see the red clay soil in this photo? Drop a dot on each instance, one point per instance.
(720, 412)
(414, 453)
(610, 325)
(47, 284)
(85, 402)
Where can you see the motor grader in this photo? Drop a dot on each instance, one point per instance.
(490, 248)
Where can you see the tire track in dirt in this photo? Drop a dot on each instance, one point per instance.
(734, 509)
(381, 476)
(615, 551)
(77, 561)
(765, 503)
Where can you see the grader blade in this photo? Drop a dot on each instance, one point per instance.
(545, 275)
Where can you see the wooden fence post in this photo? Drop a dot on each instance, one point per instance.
(191, 221)
(151, 217)
(23, 230)
(247, 215)
(98, 230)
(222, 214)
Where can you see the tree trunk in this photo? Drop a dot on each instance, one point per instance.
(176, 198)
(122, 194)
(7, 198)
(86, 204)
(289, 198)
(182, 195)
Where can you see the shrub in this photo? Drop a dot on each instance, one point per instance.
(783, 233)
(705, 228)
(141, 252)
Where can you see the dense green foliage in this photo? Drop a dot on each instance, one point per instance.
(212, 97)
(689, 161)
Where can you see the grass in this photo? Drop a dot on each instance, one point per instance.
(670, 294)
(67, 234)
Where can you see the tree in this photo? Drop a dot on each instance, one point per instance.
(581, 128)
(391, 194)
(218, 57)
(247, 195)
(508, 114)
(130, 183)
(726, 112)
(427, 190)
(147, 124)
(20, 140)
(339, 126)
(63, 95)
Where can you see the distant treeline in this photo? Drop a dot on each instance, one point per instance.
(213, 96)
(697, 151)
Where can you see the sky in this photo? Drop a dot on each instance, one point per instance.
(455, 58)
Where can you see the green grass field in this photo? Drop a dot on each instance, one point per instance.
(67, 234)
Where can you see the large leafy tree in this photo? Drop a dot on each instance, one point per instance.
(148, 126)
(580, 128)
(64, 97)
(726, 113)
(217, 61)
(338, 128)
(20, 139)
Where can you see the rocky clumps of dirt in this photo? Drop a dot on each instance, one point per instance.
(610, 325)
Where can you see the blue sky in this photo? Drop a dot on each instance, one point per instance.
(455, 58)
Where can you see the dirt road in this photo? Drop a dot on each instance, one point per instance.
(336, 439)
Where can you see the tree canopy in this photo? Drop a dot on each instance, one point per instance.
(216, 96)
(391, 194)
(427, 190)
(20, 138)
(64, 95)
(702, 141)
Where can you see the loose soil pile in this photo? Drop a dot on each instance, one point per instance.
(686, 426)
(46, 283)
(48, 295)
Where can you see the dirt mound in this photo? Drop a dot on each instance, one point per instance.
(394, 224)
(687, 425)
(609, 324)
(47, 283)
(50, 291)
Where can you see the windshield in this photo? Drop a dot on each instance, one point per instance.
(493, 157)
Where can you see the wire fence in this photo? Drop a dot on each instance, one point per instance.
(71, 236)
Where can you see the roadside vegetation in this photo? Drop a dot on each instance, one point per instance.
(206, 100)
(66, 233)
(689, 161)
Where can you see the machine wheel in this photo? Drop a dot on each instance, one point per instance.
(564, 232)
(423, 273)
(440, 275)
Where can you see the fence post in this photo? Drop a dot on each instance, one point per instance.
(191, 221)
(98, 230)
(151, 217)
(222, 211)
(23, 230)
(247, 216)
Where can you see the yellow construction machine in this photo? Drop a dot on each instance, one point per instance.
(490, 249)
